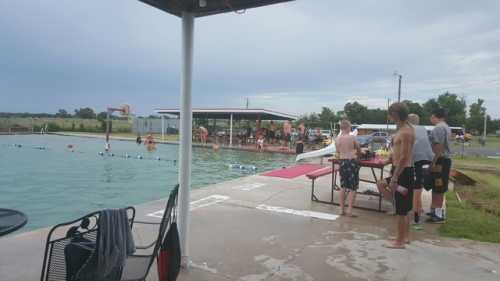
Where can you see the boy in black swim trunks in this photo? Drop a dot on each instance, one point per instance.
(402, 180)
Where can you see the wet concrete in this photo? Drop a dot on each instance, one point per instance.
(232, 239)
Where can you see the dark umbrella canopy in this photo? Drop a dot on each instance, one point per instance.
(202, 8)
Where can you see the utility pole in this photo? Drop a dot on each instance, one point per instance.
(484, 127)
(247, 103)
(399, 87)
(387, 119)
(400, 77)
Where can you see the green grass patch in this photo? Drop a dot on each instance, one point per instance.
(477, 217)
(64, 124)
(491, 142)
(476, 162)
(465, 221)
(485, 194)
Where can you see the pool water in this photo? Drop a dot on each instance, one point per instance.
(52, 184)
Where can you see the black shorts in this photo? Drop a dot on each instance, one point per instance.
(271, 135)
(420, 172)
(442, 175)
(404, 203)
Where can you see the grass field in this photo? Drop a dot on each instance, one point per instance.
(465, 221)
(469, 162)
(477, 217)
(63, 124)
(491, 142)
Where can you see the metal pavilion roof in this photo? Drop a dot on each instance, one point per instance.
(393, 127)
(201, 8)
(238, 113)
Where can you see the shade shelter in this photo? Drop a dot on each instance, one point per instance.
(233, 114)
(188, 10)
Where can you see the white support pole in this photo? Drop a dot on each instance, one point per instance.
(231, 130)
(108, 121)
(162, 128)
(186, 124)
(484, 126)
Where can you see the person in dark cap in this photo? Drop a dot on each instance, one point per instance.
(441, 164)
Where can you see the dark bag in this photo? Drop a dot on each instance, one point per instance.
(169, 257)
(77, 254)
(428, 177)
(434, 177)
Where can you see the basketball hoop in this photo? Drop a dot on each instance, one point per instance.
(125, 110)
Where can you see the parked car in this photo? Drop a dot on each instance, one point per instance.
(326, 133)
(221, 133)
(364, 140)
(380, 136)
(312, 135)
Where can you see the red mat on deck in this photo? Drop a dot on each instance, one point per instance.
(292, 171)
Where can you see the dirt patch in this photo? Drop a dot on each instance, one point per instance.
(470, 196)
(460, 178)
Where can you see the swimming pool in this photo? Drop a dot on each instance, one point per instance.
(51, 184)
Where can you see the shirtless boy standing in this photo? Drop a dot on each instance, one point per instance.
(403, 174)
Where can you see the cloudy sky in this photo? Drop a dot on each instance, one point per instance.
(294, 57)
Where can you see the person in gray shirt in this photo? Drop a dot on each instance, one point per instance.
(422, 158)
(441, 164)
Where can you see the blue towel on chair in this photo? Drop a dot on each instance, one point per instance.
(115, 242)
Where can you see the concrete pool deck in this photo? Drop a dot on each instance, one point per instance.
(261, 228)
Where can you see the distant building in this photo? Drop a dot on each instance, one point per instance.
(154, 125)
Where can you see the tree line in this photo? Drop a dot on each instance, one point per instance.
(82, 113)
(471, 118)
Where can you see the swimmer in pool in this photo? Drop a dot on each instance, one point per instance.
(203, 134)
(150, 143)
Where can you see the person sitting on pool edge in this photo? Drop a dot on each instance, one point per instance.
(260, 143)
(347, 150)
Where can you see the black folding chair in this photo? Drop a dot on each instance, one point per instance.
(57, 266)
(137, 266)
